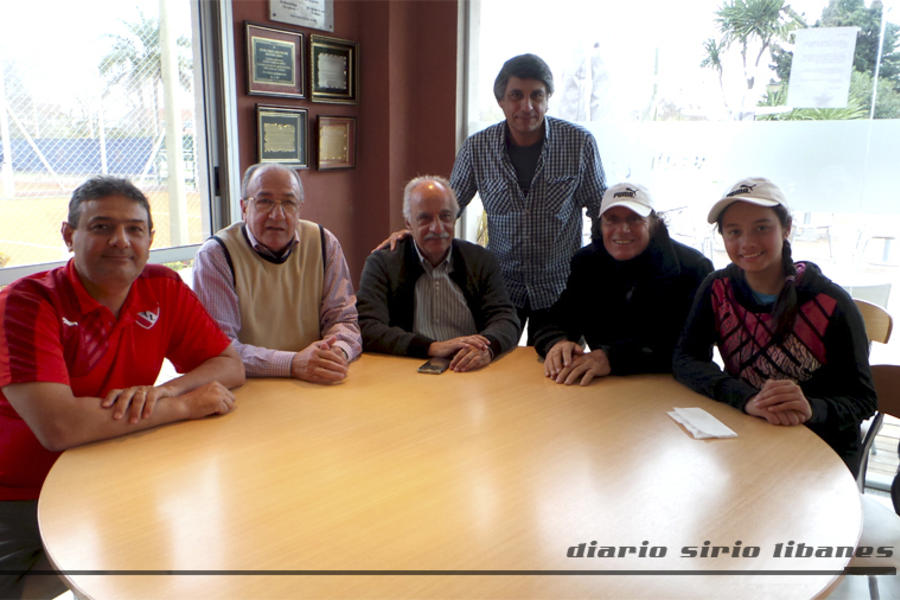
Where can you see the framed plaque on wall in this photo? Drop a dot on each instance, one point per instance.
(315, 14)
(334, 70)
(274, 62)
(282, 135)
(337, 142)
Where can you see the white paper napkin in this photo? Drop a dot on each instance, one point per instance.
(700, 423)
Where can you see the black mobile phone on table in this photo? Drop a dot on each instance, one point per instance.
(435, 366)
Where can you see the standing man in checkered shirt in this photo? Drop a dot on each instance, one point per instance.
(534, 174)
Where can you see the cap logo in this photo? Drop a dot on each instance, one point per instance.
(625, 193)
(741, 189)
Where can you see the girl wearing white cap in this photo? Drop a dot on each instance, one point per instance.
(627, 295)
(793, 343)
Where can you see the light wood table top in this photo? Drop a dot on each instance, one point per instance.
(496, 470)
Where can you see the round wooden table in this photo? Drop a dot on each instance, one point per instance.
(396, 484)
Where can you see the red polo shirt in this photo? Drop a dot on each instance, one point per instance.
(52, 330)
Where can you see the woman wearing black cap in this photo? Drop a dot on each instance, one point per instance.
(793, 342)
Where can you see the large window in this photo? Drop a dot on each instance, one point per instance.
(674, 105)
(688, 97)
(107, 88)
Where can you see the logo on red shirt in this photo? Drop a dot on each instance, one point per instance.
(147, 319)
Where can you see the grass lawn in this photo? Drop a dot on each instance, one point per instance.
(29, 226)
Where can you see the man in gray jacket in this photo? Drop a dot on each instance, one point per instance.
(435, 296)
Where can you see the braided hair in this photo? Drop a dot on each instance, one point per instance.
(785, 311)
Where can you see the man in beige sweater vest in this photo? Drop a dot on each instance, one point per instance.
(279, 286)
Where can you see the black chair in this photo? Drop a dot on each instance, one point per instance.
(878, 324)
(881, 526)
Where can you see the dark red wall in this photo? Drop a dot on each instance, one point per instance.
(405, 116)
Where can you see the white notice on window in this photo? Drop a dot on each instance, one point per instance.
(820, 71)
(316, 14)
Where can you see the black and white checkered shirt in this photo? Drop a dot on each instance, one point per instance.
(533, 236)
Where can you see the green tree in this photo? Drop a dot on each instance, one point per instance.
(713, 58)
(782, 63)
(843, 13)
(753, 27)
(859, 102)
(136, 62)
(852, 13)
(777, 96)
(744, 22)
(887, 102)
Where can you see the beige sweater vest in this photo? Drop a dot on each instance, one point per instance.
(279, 302)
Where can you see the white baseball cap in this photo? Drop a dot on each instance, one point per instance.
(755, 190)
(630, 195)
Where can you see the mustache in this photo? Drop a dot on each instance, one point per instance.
(437, 236)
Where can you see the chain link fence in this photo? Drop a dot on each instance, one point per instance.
(135, 97)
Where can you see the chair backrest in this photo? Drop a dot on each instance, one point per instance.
(887, 386)
(878, 321)
(878, 324)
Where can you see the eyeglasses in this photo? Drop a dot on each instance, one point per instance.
(632, 220)
(267, 205)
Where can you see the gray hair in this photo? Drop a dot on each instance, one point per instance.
(104, 186)
(414, 183)
(524, 66)
(254, 169)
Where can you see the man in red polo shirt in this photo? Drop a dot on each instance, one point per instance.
(80, 349)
